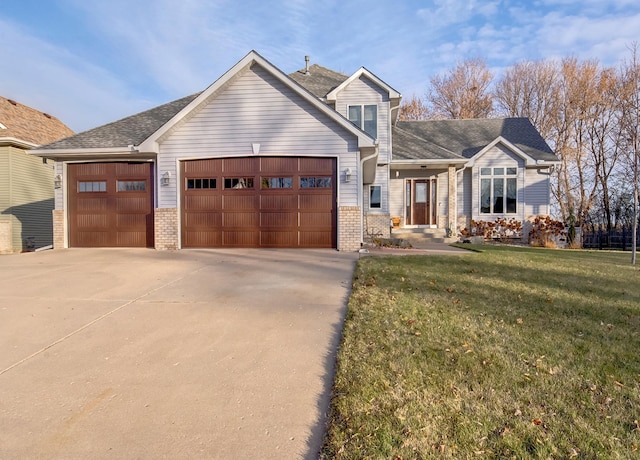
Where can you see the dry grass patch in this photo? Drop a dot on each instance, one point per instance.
(507, 353)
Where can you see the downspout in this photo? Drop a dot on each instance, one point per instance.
(360, 186)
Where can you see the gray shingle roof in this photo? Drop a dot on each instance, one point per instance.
(407, 146)
(320, 80)
(127, 131)
(468, 137)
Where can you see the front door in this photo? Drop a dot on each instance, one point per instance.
(421, 196)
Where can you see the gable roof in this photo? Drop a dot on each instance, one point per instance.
(466, 138)
(319, 81)
(363, 72)
(24, 125)
(131, 130)
(141, 133)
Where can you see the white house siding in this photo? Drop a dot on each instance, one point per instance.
(364, 91)
(498, 157)
(536, 192)
(257, 108)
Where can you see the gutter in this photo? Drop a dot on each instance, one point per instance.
(360, 197)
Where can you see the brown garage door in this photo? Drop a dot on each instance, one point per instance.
(110, 205)
(259, 202)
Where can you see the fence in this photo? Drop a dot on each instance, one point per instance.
(617, 238)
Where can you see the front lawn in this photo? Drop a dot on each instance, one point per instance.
(506, 353)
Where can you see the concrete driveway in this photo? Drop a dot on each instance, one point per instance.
(131, 353)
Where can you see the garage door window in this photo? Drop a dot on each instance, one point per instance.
(201, 183)
(132, 186)
(277, 182)
(93, 186)
(238, 182)
(315, 182)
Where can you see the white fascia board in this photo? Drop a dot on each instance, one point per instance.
(529, 161)
(17, 142)
(56, 153)
(151, 143)
(461, 161)
(393, 94)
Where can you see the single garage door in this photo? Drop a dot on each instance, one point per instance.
(279, 202)
(110, 205)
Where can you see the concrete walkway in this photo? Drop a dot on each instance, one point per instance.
(192, 354)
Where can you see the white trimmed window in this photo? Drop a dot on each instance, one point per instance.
(498, 190)
(375, 197)
(365, 117)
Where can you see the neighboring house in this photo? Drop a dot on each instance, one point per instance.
(311, 159)
(26, 182)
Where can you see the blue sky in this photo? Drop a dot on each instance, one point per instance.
(90, 62)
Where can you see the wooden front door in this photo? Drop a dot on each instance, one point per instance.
(421, 209)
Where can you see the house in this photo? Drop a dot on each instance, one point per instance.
(26, 182)
(311, 159)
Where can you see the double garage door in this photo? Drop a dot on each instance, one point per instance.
(286, 202)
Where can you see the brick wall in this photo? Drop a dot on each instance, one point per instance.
(377, 226)
(166, 229)
(58, 229)
(349, 228)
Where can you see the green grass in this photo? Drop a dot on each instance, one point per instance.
(505, 353)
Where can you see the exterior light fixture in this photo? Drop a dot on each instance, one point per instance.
(165, 179)
(57, 181)
(347, 175)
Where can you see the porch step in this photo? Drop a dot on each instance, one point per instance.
(420, 237)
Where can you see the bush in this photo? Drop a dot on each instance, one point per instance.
(501, 229)
(545, 232)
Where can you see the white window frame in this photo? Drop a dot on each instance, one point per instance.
(361, 125)
(492, 177)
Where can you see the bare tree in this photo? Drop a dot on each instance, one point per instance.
(463, 92)
(414, 109)
(531, 89)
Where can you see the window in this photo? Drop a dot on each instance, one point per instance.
(375, 197)
(365, 117)
(277, 182)
(94, 186)
(201, 183)
(132, 186)
(315, 182)
(238, 182)
(498, 190)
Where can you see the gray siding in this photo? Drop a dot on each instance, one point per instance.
(464, 193)
(257, 108)
(364, 91)
(536, 192)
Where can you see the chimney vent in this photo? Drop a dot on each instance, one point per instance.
(306, 67)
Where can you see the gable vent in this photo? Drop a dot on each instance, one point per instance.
(46, 115)
(12, 102)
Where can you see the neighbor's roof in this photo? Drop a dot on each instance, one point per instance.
(20, 122)
(131, 130)
(468, 137)
(319, 81)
